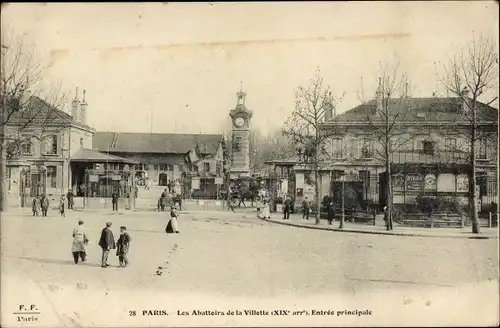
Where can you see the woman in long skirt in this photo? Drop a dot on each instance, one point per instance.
(173, 223)
(266, 211)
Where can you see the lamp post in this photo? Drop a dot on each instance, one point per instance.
(342, 215)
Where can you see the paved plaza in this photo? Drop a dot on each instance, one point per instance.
(233, 256)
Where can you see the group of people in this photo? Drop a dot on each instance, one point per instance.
(40, 204)
(168, 197)
(106, 242)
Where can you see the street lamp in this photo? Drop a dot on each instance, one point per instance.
(342, 215)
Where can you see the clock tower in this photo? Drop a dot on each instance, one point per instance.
(240, 144)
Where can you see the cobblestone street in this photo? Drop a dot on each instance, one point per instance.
(233, 256)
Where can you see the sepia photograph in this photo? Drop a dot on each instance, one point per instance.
(249, 164)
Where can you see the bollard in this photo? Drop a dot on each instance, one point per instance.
(489, 219)
(374, 217)
(462, 223)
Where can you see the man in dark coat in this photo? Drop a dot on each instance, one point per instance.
(44, 202)
(287, 208)
(70, 197)
(331, 213)
(306, 208)
(107, 243)
(114, 200)
(123, 246)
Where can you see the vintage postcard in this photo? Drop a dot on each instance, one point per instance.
(249, 164)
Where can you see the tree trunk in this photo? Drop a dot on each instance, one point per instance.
(3, 171)
(472, 182)
(388, 187)
(316, 192)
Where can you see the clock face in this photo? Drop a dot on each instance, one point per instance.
(239, 122)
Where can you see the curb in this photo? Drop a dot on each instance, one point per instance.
(373, 232)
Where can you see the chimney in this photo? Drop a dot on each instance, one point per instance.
(75, 107)
(83, 110)
(465, 99)
(379, 95)
(328, 107)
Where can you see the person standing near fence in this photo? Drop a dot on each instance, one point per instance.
(36, 205)
(306, 208)
(44, 202)
(114, 200)
(287, 208)
(70, 196)
(331, 213)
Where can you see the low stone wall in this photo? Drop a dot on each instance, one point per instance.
(144, 204)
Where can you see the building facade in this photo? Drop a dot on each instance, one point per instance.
(41, 140)
(193, 162)
(429, 155)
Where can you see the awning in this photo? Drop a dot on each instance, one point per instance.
(92, 156)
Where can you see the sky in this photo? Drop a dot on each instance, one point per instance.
(176, 67)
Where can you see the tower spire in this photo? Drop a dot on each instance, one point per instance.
(76, 94)
(84, 91)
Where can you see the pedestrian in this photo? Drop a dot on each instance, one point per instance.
(70, 196)
(173, 223)
(388, 223)
(36, 205)
(80, 239)
(114, 200)
(61, 206)
(123, 246)
(287, 208)
(107, 243)
(163, 200)
(44, 203)
(306, 208)
(331, 213)
(266, 211)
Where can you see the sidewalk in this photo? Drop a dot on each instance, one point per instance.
(379, 229)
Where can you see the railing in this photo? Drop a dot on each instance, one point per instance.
(420, 157)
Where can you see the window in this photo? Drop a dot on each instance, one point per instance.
(450, 144)
(428, 147)
(418, 144)
(52, 176)
(218, 168)
(26, 147)
(170, 167)
(483, 143)
(50, 145)
(206, 167)
(337, 148)
(139, 167)
(366, 149)
(194, 168)
(162, 167)
(365, 177)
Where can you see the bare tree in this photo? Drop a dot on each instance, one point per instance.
(303, 127)
(470, 75)
(25, 113)
(385, 122)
